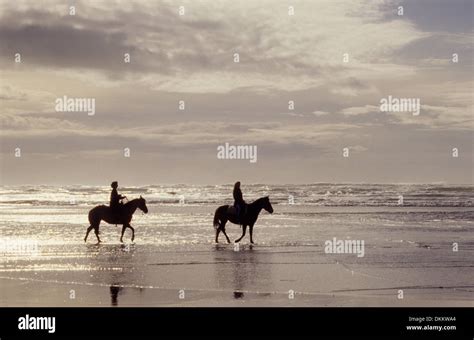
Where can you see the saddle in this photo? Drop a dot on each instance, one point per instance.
(116, 214)
(232, 211)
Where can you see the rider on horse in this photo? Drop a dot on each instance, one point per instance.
(115, 198)
(239, 202)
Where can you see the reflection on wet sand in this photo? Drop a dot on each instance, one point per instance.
(114, 265)
(238, 295)
(241, 271)
(114, 292)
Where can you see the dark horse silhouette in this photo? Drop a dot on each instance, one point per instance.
(103, 212)
(253, 209)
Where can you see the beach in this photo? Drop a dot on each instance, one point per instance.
(416, 254)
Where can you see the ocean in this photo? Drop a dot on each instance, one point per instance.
(409, 232)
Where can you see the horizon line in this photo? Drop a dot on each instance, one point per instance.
(250, 183)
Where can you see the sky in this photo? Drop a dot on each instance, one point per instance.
(334, 60)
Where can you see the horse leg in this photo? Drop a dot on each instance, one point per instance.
(227, 237)
(123, 231)
(223, 230)
(96, 231)
(133, 231)
(87, 232)
(251, 233)
(243, 233)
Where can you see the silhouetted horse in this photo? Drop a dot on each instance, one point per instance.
(248, 219)
(103, 212)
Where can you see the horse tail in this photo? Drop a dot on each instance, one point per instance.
(216, 219)
(90, 216)
(94, 213)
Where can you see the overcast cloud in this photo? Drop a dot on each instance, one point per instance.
(191, 57)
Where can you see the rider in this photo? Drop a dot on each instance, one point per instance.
(239, 202)
(115, 198)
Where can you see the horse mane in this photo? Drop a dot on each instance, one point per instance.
(130, 201)
(259, 200)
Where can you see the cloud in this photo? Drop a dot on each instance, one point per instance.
(191, 58)
(320, 113)
(22, 125)
(194, 53)
(360, 110)
(8, 93)
(179, 134)
(358, 148)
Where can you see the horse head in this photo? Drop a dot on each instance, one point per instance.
(142, 205)
(267, 205)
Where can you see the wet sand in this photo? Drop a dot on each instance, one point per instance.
(217, 275)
